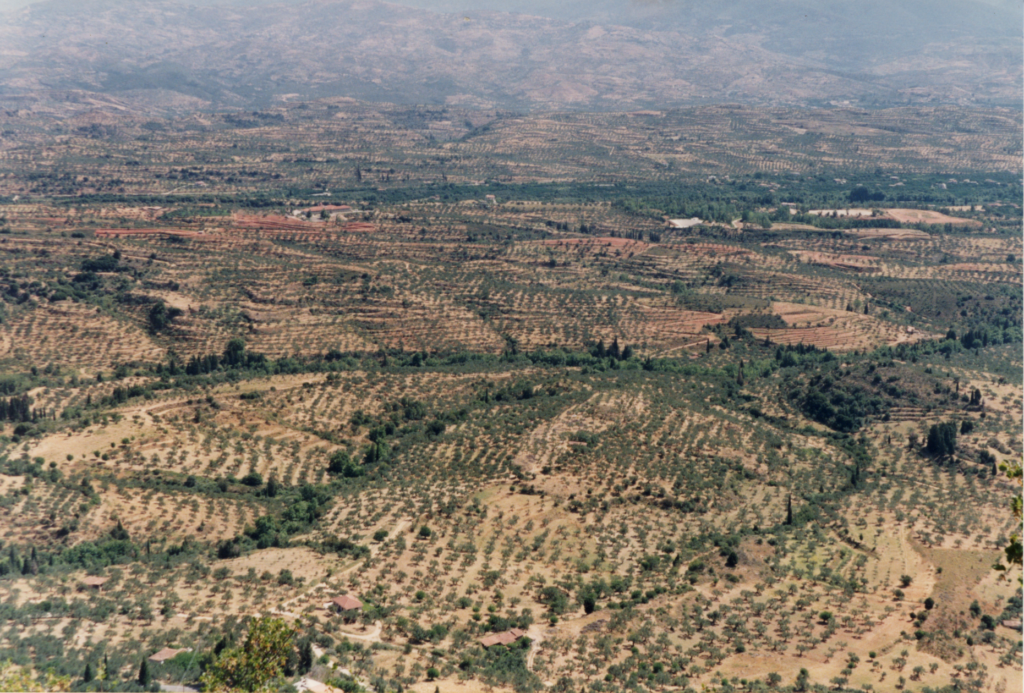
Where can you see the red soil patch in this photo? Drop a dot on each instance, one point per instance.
(895, 234)
(273, 223)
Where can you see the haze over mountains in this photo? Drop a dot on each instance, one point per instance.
(173, 57)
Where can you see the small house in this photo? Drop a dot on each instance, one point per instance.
(94, 582)
(505, 638)
(348, 606)
(165, 654)
(308, 685)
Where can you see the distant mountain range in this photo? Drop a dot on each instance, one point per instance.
(168, 57)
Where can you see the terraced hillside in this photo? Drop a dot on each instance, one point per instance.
(730, 432)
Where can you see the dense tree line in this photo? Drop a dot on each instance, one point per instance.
(235, 356)
(17, 409)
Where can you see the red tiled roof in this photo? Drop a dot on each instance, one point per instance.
(165, 654)
(506, 638)
(347, 603)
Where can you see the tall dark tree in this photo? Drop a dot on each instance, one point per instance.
(160, 316)
(234, 353)
(305, 657)
(119, 533)
(17, 409)
(273, 488)
(942, 439)
(613, 350)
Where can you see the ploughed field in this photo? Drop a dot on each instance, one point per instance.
(762, 451)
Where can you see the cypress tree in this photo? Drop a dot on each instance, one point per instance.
(789, 509)
(306, 657)
(119, 533)
(144, 677)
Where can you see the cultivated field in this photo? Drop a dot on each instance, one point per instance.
(499, 390)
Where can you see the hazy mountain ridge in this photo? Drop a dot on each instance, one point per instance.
(170, 56)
